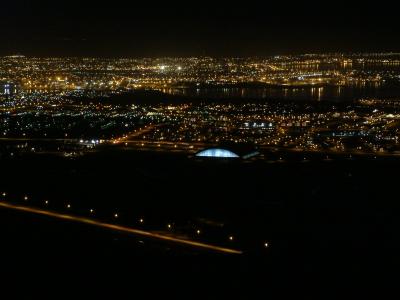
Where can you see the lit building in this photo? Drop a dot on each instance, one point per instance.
(229, 151)
(7, 88)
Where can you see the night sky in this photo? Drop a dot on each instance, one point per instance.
(193, 28)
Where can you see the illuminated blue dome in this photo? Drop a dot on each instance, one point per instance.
(229, 150)
(217, 152)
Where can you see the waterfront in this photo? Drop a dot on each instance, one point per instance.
(327, 93)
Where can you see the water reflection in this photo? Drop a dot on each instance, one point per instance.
(327, 93)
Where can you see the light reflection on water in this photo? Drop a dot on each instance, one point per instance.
(327, 93)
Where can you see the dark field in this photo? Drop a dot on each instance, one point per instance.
(328, 224)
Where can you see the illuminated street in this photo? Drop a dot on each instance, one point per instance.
(119, 228)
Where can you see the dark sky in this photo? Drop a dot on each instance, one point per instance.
(119, 28)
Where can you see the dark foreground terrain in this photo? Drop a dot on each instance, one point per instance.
(331, 226)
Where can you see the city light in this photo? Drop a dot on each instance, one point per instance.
(145, 143)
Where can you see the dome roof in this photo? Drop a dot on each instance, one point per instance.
(229, 151)
(217, 152)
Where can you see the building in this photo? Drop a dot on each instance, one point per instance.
(234, 151)
(7, 88)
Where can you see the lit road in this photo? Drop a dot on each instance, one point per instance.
(23, 139)
(134, 134)
(192, 147)
(119, 228)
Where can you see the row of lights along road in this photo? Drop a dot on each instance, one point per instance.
(141, 220)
